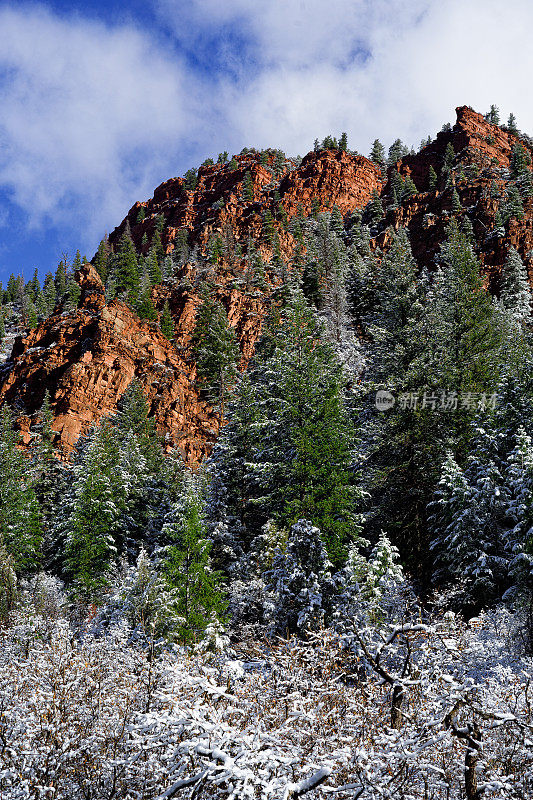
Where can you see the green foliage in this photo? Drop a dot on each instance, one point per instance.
(127, 268)
(456, 201)
(397, 151)
(49, 291)
(432, 179)
(449, 157)
(141, 215)
(520, 160)
(92, 522)
(223, 157)
(409, 188)
(511, 124)
(375, 208)
(215, 349)
(8, 583)
(493, 115)
(377, 154)
(248, 188)
(343, 142)
(20, 520)
(166, 323)
(197, 591)
(288, 452)
(190, 179)
(60, 278)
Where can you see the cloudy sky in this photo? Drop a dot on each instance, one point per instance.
(100, 101)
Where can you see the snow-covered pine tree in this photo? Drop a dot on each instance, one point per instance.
(196, 587)
(91, 517)
(20, 517)
(515, 293)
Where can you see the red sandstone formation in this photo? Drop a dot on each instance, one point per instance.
(86, 358)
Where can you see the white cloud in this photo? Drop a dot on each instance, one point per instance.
(93, 116)
(90, 115)
(382, 68)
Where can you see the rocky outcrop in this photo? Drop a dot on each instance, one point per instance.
(87, 357)
(322, 180)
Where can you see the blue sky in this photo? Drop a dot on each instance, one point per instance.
(100, 102)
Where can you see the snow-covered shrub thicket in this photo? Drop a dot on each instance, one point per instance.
(86, 717)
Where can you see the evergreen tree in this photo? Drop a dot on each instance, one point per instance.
(32, 316)
(513, 206)
(511, 124)
(60, 278)
(298, 459)
(92, 519)
(166, 323)
(493, 115)
(248, 188)
(20, 523)
(377, 154)
(515, 293)
(449, 157)
(8, 584)
(397, 150)
(50, 294)
(101, 259)
(197, 588)
(375, 208)
(73, 293)
(409, 188)
(456, 201)
(343, 142)
(127, 268)
(520, 160)
(215, 349)
(432, 179)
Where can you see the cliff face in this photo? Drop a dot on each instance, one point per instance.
(87, 357)
(482, 161)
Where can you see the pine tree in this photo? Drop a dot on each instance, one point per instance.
(397, 150)
(515, 293)
(92, 519)
(50, 294)
(511, 124)
(215, 349)
(456, 201)
(493, 115)
(409, 188)
(101, 259)
(166, 323)
(432, 179)
(60, 278)
(153, 266)
(8, 584)
(377, 154)
(297, 458)
(32, 316)
(248, 188)
(513, 206)
(375, 208)
(127, 269)
(449, 157)
(197, 588)
(343, 142)
(20, 523)
(520, 160)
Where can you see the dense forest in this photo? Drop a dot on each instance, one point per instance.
(339, 598)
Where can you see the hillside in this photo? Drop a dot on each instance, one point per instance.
(86, 357)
